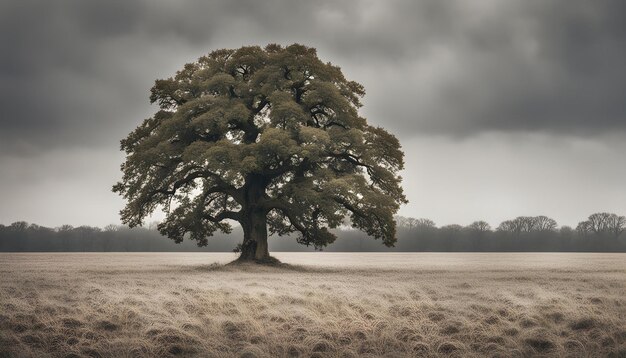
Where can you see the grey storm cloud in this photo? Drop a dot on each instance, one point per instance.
(77, 73)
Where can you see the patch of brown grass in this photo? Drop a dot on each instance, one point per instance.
(320, 305)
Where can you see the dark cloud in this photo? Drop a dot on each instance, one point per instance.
(76, 73)
(512, 66)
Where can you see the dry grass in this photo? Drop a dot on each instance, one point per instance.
(332, 304)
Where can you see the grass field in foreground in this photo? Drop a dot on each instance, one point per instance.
(324, 304)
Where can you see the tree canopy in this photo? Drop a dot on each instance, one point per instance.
(269, 137)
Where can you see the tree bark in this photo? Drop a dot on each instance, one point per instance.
(254, 245)
(254, 221)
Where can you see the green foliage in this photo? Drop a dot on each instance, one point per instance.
(271, 130)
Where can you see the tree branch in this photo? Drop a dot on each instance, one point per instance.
(233, 215)
(284, 208)
(221, 186)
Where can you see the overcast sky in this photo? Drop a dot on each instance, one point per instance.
(503, 108)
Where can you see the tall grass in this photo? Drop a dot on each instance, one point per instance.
(325, 305)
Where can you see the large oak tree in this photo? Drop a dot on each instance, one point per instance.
(268, 137)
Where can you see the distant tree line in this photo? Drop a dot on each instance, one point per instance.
(22, 236)
(601, 232)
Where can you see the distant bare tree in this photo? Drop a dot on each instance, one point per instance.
(603, 224)
(524, 224)
(506, 226)
(544, 223)
(518, 225)
(583, 228)
(479, 226)
(616, 225)
(597, 222)
(19, 226)
(528, 224)
(111, 228)
(411, 223)
(452, 228)
(424, 223)
(401, 221)
(65, 228)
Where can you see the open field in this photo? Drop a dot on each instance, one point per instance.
(327, 304)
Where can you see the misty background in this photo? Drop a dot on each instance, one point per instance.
(503, 108)
(600, 232)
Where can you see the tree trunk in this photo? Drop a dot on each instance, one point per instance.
(254, 222)
(254, 245)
